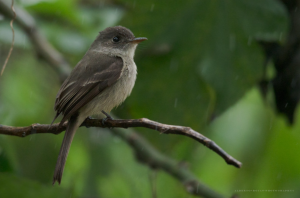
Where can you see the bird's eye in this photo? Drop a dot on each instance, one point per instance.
(116, 39)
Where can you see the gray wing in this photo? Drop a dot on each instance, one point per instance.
(94, 73)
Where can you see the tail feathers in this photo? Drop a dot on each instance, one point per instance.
(73, 125)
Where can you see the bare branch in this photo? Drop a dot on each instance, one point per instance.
(148, 155)
(142, 122)
(145, 153)
(13, 37)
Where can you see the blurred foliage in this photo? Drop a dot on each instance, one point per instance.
(201, 62)
(13, 186)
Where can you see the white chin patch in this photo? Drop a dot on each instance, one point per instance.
(131, 50)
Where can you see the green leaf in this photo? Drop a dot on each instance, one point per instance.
(201, 56)
(58, 10)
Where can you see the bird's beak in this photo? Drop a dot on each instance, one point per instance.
(138, 40)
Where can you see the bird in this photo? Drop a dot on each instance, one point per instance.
(100, 81)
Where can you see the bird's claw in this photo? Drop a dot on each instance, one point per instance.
(88, 118)
(108, 117)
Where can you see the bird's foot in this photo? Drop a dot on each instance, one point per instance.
(108, 117)
(88, 118)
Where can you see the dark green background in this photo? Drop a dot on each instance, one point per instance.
(201, 61)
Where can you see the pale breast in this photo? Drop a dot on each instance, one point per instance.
(116, 94)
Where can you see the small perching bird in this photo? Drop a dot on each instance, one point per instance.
(102, 80)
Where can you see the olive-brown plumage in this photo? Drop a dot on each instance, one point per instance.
(100, 81)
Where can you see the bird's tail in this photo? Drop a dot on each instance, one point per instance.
(73, 125)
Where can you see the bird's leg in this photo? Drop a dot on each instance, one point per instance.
(108, 117)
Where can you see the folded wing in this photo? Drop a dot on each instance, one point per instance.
(93, 74)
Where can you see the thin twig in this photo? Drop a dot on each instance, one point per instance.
(142, 122)
(13, 37)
